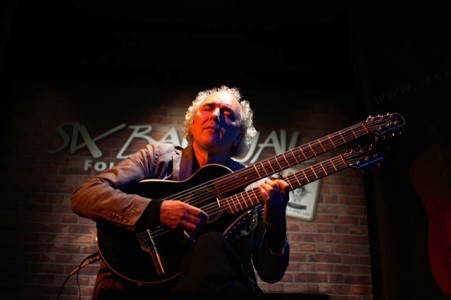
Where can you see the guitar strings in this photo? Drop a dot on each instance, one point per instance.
(207, 190)
(198, 194)
(229, 182)
(296, 180)
(223, 184)
(205, 194)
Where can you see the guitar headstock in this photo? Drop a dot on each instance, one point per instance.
(363, 156)
(387, 125)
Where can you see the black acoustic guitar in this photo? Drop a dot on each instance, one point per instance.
(154, 255)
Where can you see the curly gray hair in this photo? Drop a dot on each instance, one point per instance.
(247, 128)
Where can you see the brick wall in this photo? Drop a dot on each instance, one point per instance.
(43, 241)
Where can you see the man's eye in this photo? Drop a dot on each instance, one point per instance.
(230, 115)
(207, 108)
(228, 112)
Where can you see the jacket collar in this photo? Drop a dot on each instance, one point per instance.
(186, 164)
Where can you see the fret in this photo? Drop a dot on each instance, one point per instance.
(380, 124)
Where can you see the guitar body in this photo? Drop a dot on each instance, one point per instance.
(154, 255)
(122, 253)
(429, 178)
(122, 250)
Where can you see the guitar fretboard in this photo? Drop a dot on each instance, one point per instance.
(248, 199)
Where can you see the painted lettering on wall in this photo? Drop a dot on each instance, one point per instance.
(75, 136)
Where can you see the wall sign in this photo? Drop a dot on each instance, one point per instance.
(76, 136)
(303, 200)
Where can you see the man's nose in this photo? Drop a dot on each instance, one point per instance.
(216, 113)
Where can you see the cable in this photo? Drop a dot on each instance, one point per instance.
(86, 261)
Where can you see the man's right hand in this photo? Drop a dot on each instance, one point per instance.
(175, 214)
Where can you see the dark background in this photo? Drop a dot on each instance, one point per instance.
(179, 42)
(391, 58)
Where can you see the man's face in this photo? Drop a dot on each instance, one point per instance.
(216, 123)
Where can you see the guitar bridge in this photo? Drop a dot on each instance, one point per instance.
(147, 244)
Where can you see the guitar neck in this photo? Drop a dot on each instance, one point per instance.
(231, 182)
(248, 199)
(289, 158)
(297, 155)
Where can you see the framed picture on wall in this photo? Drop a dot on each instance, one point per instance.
(303, 200)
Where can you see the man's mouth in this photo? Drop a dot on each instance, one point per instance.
(212, 127)
(211, 130)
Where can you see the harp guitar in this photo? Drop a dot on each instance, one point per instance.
(153, 256)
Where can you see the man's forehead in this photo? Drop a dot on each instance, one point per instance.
(221, 98)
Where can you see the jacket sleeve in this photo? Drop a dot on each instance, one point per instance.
(270, 264)
(271, 250)
(104, 198)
